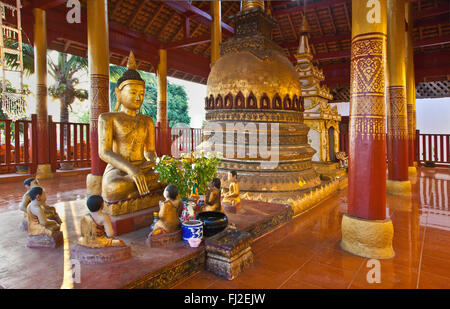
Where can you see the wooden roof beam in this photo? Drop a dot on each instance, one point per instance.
(189, 42)
(194, 12)
(309, 6)
(47, 4)
(441, 10)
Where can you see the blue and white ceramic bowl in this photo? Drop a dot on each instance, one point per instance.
(192, 229)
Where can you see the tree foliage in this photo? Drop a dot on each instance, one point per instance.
(177, 105)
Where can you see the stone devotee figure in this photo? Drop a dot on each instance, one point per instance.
(212, 197)
(42, 231)
(169, 213)
(127, 144)
(232, 197)
(96, 227)
(50, 212)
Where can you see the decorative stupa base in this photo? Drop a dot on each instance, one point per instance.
(234, 209)
(397, 187)
(329, 169)
(131, 222)
(367, 238)
(92, 256)
(412, 171)
(164, 240)
(44, 171)
(301, 200)
(42, 241)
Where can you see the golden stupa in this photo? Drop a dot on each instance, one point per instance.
(254, 88)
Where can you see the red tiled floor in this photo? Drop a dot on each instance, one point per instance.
(306, 251)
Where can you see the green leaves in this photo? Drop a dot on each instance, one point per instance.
(190, 169)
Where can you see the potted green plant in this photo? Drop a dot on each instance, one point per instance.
(195, 168)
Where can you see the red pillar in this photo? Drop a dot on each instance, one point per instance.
(365, 230)
(98, 56)
(397, 133)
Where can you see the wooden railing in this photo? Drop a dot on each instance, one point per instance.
(16, 148)
(69, 143)
(184, 140)
(433, 148)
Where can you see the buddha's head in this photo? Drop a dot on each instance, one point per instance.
(130, 89)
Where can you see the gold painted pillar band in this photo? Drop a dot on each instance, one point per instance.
(40, 68)
(251, 4)
(162, 87)
(216, 30)
(366, 224)
(397, 132)
(410, 88)
(162, 137)
(98, 57)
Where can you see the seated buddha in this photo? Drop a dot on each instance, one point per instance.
(232, 197)
(96, 227)
(212, 197)
(169, 213)
(127, 142)
(38, 222)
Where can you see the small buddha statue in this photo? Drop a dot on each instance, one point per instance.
(50, 212)
(232, 197)
(212, 197)
(194, 192)
(169, 213)
(38, 222)
(96, 227)
(127, 143)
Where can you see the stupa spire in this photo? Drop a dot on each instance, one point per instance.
(303, 47)
(251, 4)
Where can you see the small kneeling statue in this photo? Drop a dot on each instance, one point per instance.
(169, 213)
(42, 231)
(50, 212)
(96, 227)
(212, 197)
(97, 244)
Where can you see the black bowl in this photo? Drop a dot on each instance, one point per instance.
(213, 222)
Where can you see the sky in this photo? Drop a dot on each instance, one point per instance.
(433, 115)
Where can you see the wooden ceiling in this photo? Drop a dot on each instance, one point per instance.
(183, 27)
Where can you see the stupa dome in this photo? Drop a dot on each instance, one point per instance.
(244, 71)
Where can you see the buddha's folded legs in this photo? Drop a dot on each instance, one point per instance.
(118, 185)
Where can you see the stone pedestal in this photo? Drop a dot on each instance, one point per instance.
(92, 256)
(164, 240)
(45, 241)
(232, 209)
(228, 253)
(127, 223)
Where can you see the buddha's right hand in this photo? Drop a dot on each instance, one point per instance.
(141, 183)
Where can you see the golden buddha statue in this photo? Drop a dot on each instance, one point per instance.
(38, 223)
(127, 144)
(232, 197)
(212, 197)
(169, 213)
(96, 227)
